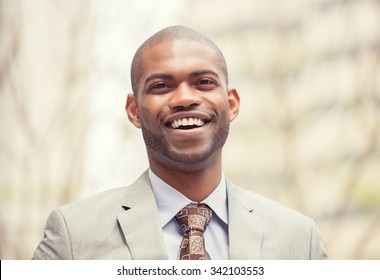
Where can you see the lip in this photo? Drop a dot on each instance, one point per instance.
(181, 115)
(188, 135)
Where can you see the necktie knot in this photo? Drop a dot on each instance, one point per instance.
(193, 220)
(195, 216)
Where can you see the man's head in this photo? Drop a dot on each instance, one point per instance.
(181, 100)
(171, 33)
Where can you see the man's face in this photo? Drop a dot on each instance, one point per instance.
(183, 106)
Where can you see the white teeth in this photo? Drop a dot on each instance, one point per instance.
(187, 122)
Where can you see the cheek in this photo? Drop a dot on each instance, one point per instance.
(224, 108)
(145, 116)
(149, 115)
(154, 107)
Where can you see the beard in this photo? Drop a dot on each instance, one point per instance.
(158, 144)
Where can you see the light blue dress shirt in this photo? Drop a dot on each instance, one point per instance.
(170, 202)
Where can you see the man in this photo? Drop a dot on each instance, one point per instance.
(182, 206)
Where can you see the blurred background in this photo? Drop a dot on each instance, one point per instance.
(308, 73)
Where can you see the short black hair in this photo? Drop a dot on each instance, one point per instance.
(176, 32)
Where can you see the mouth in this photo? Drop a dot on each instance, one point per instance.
(187, 123)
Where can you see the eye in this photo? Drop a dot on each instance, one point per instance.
(206, 84)
(158, 88)
(158, 85)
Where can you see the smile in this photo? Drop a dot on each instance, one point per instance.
(187, 123)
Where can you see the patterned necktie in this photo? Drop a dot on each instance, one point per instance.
(193, 220)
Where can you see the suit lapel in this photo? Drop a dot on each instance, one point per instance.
(244, 226)
(140, 222)
(141, 227)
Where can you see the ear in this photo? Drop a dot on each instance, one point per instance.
(234, 103)
(132, 110)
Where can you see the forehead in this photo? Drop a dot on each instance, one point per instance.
(179, 57)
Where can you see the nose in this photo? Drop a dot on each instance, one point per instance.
(184, 97)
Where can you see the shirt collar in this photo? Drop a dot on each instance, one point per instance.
(170, 201)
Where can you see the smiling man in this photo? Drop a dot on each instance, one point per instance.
(182, 207)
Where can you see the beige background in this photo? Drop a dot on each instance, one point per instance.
(307, 136)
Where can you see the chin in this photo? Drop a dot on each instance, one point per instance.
(191, 157)
(187, 166)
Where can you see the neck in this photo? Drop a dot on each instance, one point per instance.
(194, 183)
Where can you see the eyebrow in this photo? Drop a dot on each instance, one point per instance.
(163, 76)
(166, 76)
(204, 72)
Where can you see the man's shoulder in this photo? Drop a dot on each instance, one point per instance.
(280, 225)
(107, 200)
(265, 207)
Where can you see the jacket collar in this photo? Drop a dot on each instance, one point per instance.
(245, 232)
(140, 223)
(141, 227)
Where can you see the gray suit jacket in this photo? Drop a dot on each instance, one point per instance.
(123, 223)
